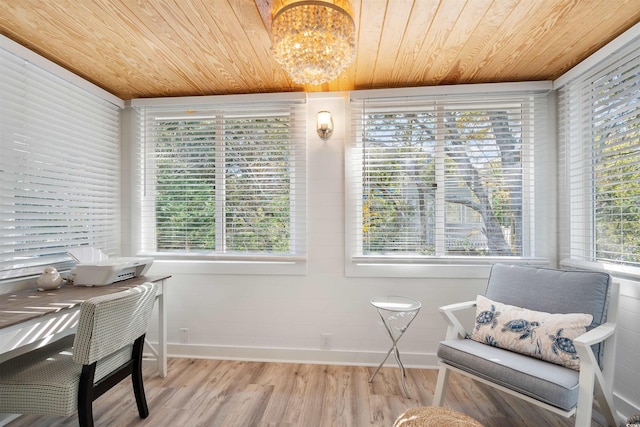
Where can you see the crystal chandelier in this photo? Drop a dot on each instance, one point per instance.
(313, 41)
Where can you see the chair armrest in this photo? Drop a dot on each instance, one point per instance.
(596, 335)
(455, 330)
(458, 306)
(589, 366)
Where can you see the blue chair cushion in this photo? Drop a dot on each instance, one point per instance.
(541, 380)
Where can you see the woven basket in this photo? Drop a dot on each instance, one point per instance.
(634, 420)
(434, 416)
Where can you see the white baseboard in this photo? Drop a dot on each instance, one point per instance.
(287, 355)
(624, 407)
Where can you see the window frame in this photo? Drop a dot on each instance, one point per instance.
(576, 139)
(358, 265)
(217, 262)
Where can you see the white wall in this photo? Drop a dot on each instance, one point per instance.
(270, 317)
(627, 375)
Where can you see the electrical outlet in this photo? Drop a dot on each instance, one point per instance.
(184, 335)
(325, 341)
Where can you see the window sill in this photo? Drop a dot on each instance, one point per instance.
(245, 267)
(615, 270)
(445, 267)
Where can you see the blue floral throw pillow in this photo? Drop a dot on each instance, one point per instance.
(538, 334)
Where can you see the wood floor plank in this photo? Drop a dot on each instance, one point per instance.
(222, 393)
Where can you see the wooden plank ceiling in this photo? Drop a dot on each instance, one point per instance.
(156, 48)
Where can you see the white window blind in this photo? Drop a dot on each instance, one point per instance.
(443, 176)
(224, 181)
(59, 169)
(599, 136)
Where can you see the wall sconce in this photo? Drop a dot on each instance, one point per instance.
(324, 124)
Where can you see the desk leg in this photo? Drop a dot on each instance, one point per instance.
(160, 351)
(162, 335)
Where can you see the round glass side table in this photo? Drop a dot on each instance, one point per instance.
(397, 313)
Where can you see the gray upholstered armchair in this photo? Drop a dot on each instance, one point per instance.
(546, 336)
(68, 375)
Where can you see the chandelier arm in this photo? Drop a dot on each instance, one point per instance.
(313, 3)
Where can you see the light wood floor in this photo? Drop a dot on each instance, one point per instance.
(216, 393)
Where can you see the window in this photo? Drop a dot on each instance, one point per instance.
(434, 177)
(224, 181)
(599, 136)
(59, 169)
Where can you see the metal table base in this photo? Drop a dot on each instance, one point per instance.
(393, 309)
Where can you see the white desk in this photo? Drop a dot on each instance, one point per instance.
(30, 319)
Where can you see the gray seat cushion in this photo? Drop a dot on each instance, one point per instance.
(544, 381)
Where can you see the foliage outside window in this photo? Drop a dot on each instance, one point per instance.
(443, 177)
(599, 135)
(224, 182)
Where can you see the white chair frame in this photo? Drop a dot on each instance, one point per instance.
(592, 381)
